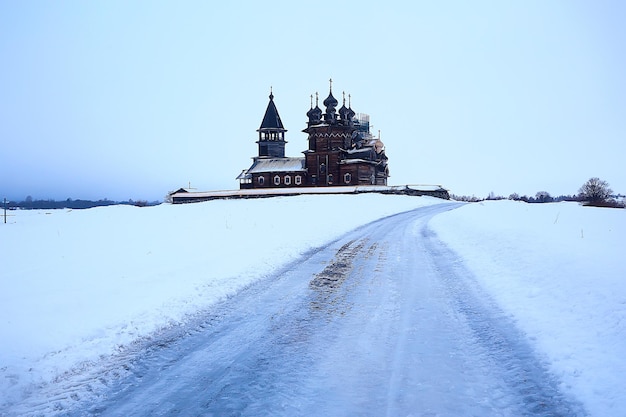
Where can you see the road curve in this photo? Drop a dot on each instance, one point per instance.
(385, 321)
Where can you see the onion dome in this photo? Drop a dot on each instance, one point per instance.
(351, 112)
(315, 114)
(330, 101)
(344, 111)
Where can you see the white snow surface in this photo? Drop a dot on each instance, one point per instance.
(79, 285)
(558, 269)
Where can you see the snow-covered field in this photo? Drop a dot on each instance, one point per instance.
(79, 284)
(76, 286)
(559, 269)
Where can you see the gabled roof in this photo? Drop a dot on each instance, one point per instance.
(271, 120)
(291, 164)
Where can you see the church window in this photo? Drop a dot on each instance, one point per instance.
(277, 180)
(298, 179)
(330, 178)
(347, 178)
(287, 179)
(261, 180)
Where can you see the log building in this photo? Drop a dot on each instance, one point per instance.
(341, 151)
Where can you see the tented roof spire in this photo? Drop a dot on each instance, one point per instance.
(271, 120)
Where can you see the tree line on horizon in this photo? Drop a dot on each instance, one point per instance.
(595, 192)
(31, 204)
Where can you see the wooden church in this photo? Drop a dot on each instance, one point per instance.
(341, 151)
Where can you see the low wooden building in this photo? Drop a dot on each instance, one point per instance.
(184, 196)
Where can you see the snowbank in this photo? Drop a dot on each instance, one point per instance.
(78, 284)
(559, 270)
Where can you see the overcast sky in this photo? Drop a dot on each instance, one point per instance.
(128, 100)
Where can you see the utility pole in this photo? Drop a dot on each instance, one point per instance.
(5, 211)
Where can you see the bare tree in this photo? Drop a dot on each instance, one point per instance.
(543, 197)
(595, 191)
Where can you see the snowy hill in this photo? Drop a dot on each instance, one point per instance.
(77, 286)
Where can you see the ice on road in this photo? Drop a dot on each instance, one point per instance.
(385, 321)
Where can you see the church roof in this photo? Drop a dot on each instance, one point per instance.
(271, 120)
(290, 164)
(331, 101)
(344, 112)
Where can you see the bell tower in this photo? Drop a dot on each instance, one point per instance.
(271, 133)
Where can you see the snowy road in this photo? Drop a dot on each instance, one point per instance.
(383, 322)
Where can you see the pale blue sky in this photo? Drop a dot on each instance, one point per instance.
(119, 100)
